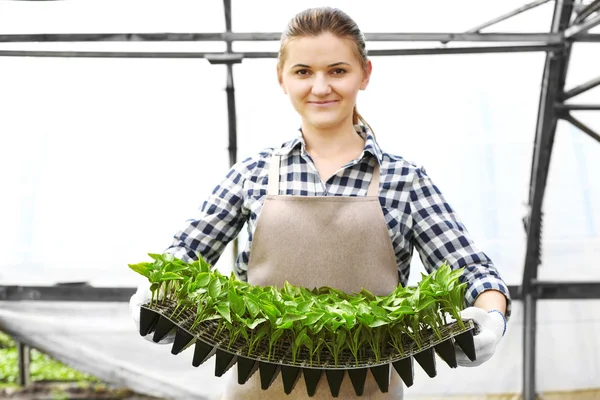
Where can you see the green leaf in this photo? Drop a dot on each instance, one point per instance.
(141, 268)
(253, 324)
(237, 303)
(313, 317)
(377, 322)
(157, 257)
(252, 306)
(214, 288)
(223, 309)
(368, 295)
(203, 279)
(170, 276)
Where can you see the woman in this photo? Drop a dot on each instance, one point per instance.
(330, 208)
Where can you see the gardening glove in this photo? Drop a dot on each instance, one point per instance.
(489, 329)
(143, 296)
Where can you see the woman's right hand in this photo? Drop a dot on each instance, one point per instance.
(143, 296)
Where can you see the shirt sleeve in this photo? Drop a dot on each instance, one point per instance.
(220, 219)
(439, 235)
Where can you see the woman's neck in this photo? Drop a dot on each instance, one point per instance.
(340, 142)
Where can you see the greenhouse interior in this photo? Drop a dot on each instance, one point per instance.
(119, 118)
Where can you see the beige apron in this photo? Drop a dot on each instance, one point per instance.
(315, 241)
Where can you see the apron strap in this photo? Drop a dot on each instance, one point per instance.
(373, 190)
(273, 188)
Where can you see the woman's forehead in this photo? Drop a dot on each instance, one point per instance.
(322, 50)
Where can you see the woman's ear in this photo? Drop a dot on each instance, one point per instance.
(280, 80)
(366, 75)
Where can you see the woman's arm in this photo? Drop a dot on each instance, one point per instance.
(221, 218)
(492, 300)
(439, 235)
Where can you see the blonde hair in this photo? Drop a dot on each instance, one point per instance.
(315, 21)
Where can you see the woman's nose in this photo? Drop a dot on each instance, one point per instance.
(321, 85)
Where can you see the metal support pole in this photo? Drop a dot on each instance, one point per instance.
(231, 111)
(530, 308)
(553, 82)
(24, 358)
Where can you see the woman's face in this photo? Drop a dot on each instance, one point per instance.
(322, 76)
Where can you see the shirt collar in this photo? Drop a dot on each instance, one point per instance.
(371, 145)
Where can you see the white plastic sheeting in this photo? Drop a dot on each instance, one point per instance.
(104, 159)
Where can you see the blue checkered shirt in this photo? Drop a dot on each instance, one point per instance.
(415, 211)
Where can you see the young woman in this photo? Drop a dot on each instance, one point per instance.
(331, 208)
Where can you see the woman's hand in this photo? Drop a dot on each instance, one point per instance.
(490, 326)
(143, 296)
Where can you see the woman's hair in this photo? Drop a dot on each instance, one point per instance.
(315, 21)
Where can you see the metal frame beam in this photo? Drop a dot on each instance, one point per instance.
(546, 38)
(584, 87)
(227, 58)
(587, 11)
(575, 122)
(577, 107)
(508, 15)
(553, 81)
(583, 27)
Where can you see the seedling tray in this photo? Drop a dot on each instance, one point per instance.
(208, 342)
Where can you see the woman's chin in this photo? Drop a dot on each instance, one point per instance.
(324, 123)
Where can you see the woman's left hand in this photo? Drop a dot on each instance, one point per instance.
(491, 326)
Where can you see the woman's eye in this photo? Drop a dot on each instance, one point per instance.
(302, 72)
(338, 71)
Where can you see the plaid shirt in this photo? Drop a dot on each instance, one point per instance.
(414, 209)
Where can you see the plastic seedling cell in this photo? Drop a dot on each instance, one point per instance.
(290, 376)
(426, 360)
(335, 378)
(447, 352)
(148, 320)
(466, 343)
(246, 368)
(268, 373)
(312, 376)
(183, 340)
(202, 352)
(358, 377)
(381, 374)
(163, 327)
(224, 361)
(405, 369)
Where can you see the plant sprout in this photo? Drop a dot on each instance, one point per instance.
(323, 322)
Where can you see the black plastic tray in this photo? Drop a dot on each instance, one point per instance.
(155, 320)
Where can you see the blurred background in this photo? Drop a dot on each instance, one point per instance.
(104, 159)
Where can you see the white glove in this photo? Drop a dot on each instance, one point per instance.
(491, 328)
(143, 296)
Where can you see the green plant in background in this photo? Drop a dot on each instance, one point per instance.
(42, 367)
(319, 320)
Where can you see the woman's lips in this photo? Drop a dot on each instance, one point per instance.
(323, 103)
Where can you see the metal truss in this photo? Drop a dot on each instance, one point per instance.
(572, 20)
